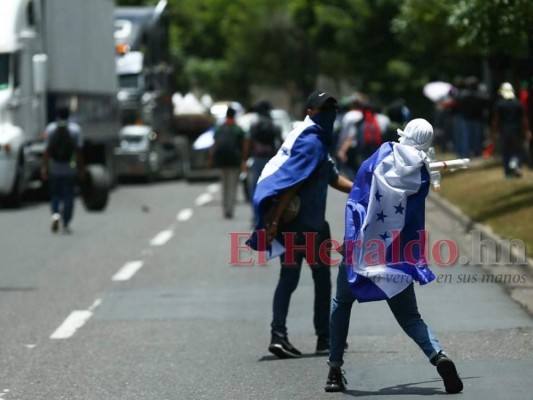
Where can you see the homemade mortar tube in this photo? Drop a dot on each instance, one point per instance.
(460, 163)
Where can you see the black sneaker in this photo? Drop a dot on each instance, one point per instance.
(281, 347)
(448, 373)
(336, 380)
(322, 346)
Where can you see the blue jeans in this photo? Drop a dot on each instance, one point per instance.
(290, 275)
(62, 196)
(403, 307)
(461, 137)
(476, 135)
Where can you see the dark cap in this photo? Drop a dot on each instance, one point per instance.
(230, 112)
(318, 98)
(62, 113)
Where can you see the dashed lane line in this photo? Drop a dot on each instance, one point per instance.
(127, 271)
(162, 237)
(213, 188)
(203, 199)
(74, 322)
(184, 215)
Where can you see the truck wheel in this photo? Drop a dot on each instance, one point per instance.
(95, 188)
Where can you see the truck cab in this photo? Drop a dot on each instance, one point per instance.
(42, 68)
(145, 79)
(143, 65)
(21, 99)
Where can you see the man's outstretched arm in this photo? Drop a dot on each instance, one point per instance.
(342, 184)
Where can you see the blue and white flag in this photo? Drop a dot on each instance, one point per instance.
(300, 154)
(385, 239)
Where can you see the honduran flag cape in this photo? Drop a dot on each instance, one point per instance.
(300, 154)
(384, 223)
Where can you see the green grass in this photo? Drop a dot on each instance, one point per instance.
(487, 197)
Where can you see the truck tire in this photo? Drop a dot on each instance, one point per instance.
(95, 188)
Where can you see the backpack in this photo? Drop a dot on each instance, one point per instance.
(61, 145)
(264, 134)
(228, 143)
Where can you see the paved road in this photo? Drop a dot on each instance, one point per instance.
(141, 302)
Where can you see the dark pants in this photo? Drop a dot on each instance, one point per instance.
(62, 196)
(290, 275)
(512, 149)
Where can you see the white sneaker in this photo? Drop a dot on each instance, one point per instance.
(56, 220)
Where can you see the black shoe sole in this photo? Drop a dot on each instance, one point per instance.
(334, 389)
(280, 352)
(55, 226)
(322, 352)
(450, 377)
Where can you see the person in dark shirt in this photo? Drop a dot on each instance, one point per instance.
(302, 169)
(510, 126)
(261, 142)
(471, 106)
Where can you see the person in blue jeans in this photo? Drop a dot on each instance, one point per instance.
(405, 309)
(289, 277)
(62, 165)
(300, 173)
(387, 206)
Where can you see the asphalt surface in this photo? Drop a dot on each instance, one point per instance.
(185, 324)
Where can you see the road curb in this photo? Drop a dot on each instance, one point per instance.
(521, 294)
(503, 247)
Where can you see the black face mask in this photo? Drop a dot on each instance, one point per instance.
(325, 119)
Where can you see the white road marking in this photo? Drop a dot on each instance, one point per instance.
(213, 188)
(127, 271)
(184, 215)
(30, 346)
(74, 321)
(203, 199)
(161, 238)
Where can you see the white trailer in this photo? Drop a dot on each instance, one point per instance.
(54, 53)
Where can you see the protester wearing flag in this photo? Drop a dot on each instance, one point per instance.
(289, 207)
(384, 248)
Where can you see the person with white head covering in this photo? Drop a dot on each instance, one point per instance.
(511, 127)
(386, 211)
(418, 133)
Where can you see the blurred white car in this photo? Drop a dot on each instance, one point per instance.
(283, 120)
(144, 153)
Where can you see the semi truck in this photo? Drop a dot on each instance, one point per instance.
(149, 145)
(56, 53)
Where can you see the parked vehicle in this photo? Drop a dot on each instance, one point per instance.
(142, 153)
(145, 89)
(43, 67)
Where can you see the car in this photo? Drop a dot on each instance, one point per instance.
(282, 119)
(146, 154)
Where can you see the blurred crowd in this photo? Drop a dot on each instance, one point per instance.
(471, 123)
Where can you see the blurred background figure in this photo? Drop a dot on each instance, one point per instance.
(440, 93)
(348, 128)
(227, 154)
(62, 164)
(471, 115)
(399, 115)
(261, 143)
(510, 126)
(363, 140)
